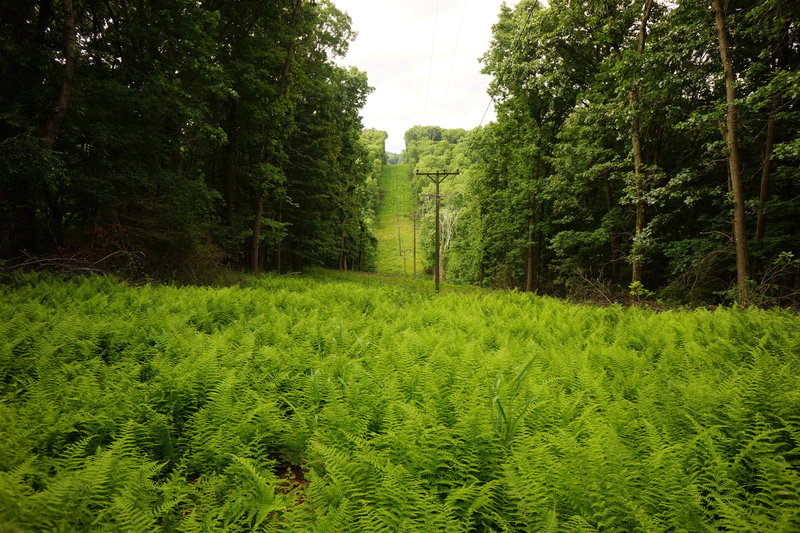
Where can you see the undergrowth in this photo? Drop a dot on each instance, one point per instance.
(159, 408)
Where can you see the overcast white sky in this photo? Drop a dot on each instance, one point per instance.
(421, 56)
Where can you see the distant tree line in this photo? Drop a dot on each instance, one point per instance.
(183, 133)
(639, 145)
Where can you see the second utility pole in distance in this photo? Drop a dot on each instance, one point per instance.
(437, 178)
(414, 218)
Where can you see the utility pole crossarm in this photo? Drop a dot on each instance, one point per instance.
(441, 174)
(437, 178)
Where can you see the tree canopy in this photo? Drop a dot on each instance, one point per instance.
(612, 163)
(183, 133)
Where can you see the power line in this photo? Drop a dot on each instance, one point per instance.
(511, 55)
(455, 50)
(469, 98)
(430, 63)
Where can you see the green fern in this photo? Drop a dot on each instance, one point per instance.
(343, 403)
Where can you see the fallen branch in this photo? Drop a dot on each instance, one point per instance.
(62, 264)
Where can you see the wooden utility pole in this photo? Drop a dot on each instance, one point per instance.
(437, 178)
(404, 255)
(399, 239)
(413, 218)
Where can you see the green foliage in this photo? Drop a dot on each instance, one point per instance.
(638, 290)
(209, 132)
(349, 403)
(553, 200)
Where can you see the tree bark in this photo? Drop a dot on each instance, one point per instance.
(177, 161)
(540, 270)
(765, 170)
(614, 243)
(637, 251)
(53, 124)
(255, 243)
(778, 53)
(531, 223)
(279, 245)
(638, 160)
(530, 281)
(284, 80)
(228, 166)
(734, 159)
(342, 251)
(361, 247)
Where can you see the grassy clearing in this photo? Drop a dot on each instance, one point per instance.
(395, 231)
(349, 403)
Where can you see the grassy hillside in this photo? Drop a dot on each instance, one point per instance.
(395, 231)
(349, 403)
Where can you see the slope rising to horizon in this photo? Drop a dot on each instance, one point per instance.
(395, 230)
(347, 402)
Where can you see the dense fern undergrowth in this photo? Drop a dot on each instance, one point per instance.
(359, 404)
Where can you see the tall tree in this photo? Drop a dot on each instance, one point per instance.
(636, 149)
(51, 127)
(140, 126)
(734, 159)
(268, 156)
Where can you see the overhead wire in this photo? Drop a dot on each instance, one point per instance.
(511, 56)
(455, 50)
(430, 63)
(469, 98)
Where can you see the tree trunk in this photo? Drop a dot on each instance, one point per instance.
(301, 246)
(765, 170)
(778, 53)
(361, 247)
(539, 272)
(637, 250)
(614, 243)
(638, 160)
(734, 160)
(531, 224)
(177, 161)
(52, 127)
(53, 124)
(287, 63)
(279, 245)
(255, 243)
(342, 252)
(228, 166)
(530, 281)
